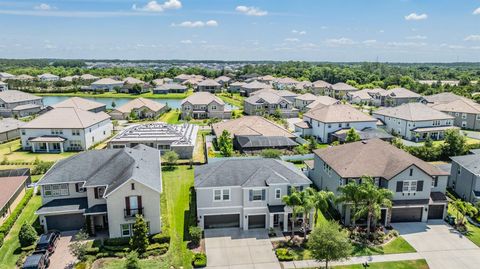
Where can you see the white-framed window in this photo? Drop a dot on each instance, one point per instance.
(464, 116)
(56, 131)
(55, 190)
(125, 228)
(221, 195)
(478, 116)
(257, 195)
(464, 124)
(457, 114)
(75, 132)
(23, 132)
(410, 186)
(278, 193)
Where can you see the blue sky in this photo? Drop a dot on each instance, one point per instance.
(312, 30)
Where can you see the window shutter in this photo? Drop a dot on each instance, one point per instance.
(263, 194)
(127, 205)
(420, 185)
(76, 187)
(95, 191)
(139, 199)
(435, 182)
(250, 194)
(399, 186)
(289, 190)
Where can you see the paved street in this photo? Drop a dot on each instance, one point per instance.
(235, 249)
(62, 258)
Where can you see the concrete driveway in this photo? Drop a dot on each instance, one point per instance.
(440, 245)
(238, 249)
(62, 258)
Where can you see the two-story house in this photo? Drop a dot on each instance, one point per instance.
(418, 187)
(246, 193)
(323, 121)
(103, 190)
(65, 129)
(465, 177)
(204, 105)
(269, 102)
(399, 96)
(415, 121)
(20, 104)
(140, 107)
(209, 85)
(465, 111)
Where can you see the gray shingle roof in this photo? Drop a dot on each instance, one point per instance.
(109, 167)
(248, 173)
(63, 205)
(413, 112)
(14, 96)
(9, 124)
(66, 118)
(258, 141)
(469, 162)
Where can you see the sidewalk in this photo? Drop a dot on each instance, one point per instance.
(355, 260)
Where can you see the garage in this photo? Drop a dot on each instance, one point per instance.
(222, 221)
(256, 221)
(65, 222)
(408, 214)
(435, 211)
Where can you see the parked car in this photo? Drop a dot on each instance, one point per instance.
(48, 242)
(37, 260)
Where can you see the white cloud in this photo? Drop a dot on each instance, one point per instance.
(154, 6)
(472, 38)
(186, 41)
(340, 41)
(292, 39)
(297, 32)
(476, 11)
(44, 6)
(407, 44)
(196, 24)
(416, 37)
(416, 17)
(251, 11)
(369, 42)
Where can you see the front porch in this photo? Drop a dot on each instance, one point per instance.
(281, 218)
(434, 133)
(47, 144)
(96, 219)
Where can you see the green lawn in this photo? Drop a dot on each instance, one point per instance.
(171, 117)
(235, 100)
(473, 231)
(10, 250)
(121, 95)
(13, 153)
(397, 245)
(177, 214)
(415, 264)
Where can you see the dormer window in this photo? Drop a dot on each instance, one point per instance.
(99, 192)
(132, 186)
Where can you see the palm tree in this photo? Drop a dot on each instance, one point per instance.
(373, 199)
(306, 206)
(463, 208)
(351, 194)
(320, 201)
(293, 201)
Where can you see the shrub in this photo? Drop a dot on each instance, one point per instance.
(271, 153)
(27, 235)
(123, 248)
(195, 233)
(8, 224)
(199, 260)
(29, 248)
(160, 238)
(284, 254)
(119, 241)
(132, 261)
(41, 168)
(155, 246)
(92, 251)
(1, 239)
(96, 243)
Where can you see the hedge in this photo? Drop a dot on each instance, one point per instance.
(284, 254)
(8, 224)
(119, 241)
(199, 260)
(160, 238)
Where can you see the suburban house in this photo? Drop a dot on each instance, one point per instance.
(321, 87)
(65, 129)
(415, 121)
(465, 111)
(106, 84)
(284, 83)
(130, 82)
(140, 107)
(399, 96)
(269, 102)
(170, 88)
(246, 193)
(249, 88)
(418, 187)
(103, 190)
(81, 103)
(372, 97)
(339, 90)
(235, 87)
(24, 77)
(184, 77)
(365, 134)
(209, 85)
(5, 76)
(14, 184)
(180, 138)
(3, 86)
(288, 95)
(322, 101)
(10, 129)
(465, 177)
(324, 121)
(88, 77)
(204, 105)
(48, 77)
(19, 104)
(267, 79)
(223, 80)
(254, 133)
(302, 101)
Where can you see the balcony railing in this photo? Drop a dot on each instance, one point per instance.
(132, 212)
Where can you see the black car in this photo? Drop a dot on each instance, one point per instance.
(37, 260)
(48, 242)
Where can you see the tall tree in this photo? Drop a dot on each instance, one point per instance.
(352, 136)
(328, 242)
(306, 206)
(139, 239)
(321, 201)
(455, 143)
(293, 201)
(225, 144)
(351, 194)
